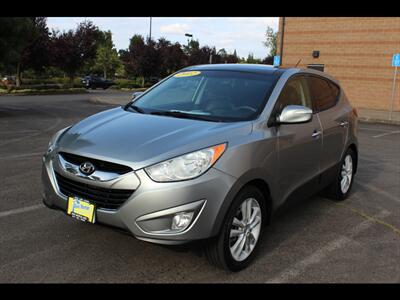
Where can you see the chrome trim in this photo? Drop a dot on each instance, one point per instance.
(95, 176)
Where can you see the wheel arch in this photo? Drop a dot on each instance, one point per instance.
(257, 181)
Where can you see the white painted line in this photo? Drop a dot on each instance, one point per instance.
(378, 191)
(385, 134)
(300, 267)
(20, 210)
(373, 129)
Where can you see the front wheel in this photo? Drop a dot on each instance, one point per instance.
(341, 187)
(241, 233)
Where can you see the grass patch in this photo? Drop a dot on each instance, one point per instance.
(23, 92)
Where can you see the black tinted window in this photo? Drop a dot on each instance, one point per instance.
(324, 94)
(294, 93)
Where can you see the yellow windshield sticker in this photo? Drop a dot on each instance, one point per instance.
(187, 74)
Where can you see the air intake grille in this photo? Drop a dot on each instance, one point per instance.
(100, 165)
(102, 197)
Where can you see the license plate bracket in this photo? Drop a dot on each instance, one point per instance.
(81, 209)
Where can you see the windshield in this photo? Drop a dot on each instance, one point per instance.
(211, 95)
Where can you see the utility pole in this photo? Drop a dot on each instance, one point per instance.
(188, 35)
(150, 28)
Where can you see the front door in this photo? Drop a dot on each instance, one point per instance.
(299, 145)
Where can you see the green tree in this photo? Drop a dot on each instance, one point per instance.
(270, 42)
(172, 57)
(36, 55)
(107, 59)
(142, 59)
(251, 60)
(75, 48)
(16, 34)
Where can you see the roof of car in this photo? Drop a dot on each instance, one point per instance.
(255, 68)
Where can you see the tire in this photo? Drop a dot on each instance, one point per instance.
(337, 191)
(218, 251)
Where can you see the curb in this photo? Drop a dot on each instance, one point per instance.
(96, 100)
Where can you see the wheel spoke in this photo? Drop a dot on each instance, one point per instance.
(235, 232)
(248, 210)
(256, 210)
(244, 211)
(238, 223)
(255, 222)
(238, 246)
(343, 183)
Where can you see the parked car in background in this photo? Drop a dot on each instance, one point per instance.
(8, 80)
(207, 154)
(94, 82)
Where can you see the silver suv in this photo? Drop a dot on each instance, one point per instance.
(209, 153)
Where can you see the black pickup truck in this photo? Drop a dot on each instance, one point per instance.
(93, 82)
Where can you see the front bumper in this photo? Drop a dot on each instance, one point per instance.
(148, 212)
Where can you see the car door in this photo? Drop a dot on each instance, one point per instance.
(333, 115)
(299, 145)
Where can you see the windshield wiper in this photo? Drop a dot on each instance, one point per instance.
(136, 108)
(183, 115)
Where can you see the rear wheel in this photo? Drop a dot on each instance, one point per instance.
(341, 187)
(240, 237)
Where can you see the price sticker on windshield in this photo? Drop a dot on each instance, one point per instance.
(187, 74)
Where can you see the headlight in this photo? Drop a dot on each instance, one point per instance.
(186, 166)
(54, 139)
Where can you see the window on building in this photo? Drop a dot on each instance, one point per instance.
(323, 93)
(318, 67)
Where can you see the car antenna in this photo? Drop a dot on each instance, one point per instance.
(297, 63)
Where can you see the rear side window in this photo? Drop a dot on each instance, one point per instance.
(323, 93)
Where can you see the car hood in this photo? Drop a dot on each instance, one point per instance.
(139, 140)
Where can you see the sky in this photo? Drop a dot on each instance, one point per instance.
(245, 34)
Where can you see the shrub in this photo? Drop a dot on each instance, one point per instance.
(126, 84)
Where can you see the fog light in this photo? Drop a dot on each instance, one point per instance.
(181, 220)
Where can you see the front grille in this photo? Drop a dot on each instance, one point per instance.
(102, 197)
(100, 165)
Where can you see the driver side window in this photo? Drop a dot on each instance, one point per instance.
(295, 92)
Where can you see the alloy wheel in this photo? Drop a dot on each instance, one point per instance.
(245, 229)
(346, 174)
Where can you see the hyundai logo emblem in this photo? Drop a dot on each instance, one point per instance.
(87, 168)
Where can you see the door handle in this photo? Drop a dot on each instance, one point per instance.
(316, 134)
(344, 124)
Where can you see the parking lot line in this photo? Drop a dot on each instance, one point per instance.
(385, 134)
(317, 256)
(373, 129)
(378, 191)
(20, 210)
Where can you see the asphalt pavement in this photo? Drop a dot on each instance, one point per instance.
(316, 240)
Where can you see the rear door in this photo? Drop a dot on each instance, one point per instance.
(299, 145)
(333, 115)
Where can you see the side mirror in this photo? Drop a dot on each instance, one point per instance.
(293, 114)
(136, 94)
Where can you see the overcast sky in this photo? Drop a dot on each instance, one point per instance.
(243, 34)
